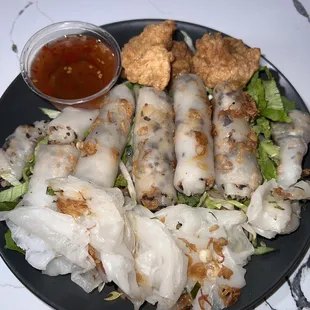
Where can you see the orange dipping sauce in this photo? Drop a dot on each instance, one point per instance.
(73, 67)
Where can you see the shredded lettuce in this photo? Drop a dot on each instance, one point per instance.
(262, 126)
(120, 181)
(42, 141)
(8, 205)
(128, 152)
(194, 291)
(131, 86)
(10, 178)
(267, 97)
(50, 113)
(13, 193)
(260, 250)
(214, 200)
(188, 40)
(113, 295)
(28, 170)
(192, 201)
(131, 187)
(288, 105)
(256, 90)
(50, 191)
(87, 133)
(266, 165)
(272, 150)
(10, 243)
(272, 107)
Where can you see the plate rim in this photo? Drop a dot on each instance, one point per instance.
(257, 300)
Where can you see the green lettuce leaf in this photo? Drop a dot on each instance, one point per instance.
(267, 97)
(42, 141)
(217, 203)
(50, 191)
(266, 165)
(192, 201)
(120, 181)
(13, 193)
(288, 105)
(10, 243)
(260, 250)
(213, 204)
(8, 205)
(272, 150)
(87, 133)
(215, 200)
(128, 152)
(262, 126)
(256, 90)
(239, 205)
(275, 108)
(31, 162)
(50, 112)
(131, 86)
(194, 291)
(10, 178)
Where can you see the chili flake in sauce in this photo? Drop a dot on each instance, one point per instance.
(73, 67)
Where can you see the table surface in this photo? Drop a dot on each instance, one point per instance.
(281, 28)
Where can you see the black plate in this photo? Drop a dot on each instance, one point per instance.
(19, 105)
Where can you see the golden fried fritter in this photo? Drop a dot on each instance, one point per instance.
(182, 62)
(158, 34)
(221, 59)
(146, 58)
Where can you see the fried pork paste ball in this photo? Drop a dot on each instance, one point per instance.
(146, 58)
(182, 62)
(221, 59)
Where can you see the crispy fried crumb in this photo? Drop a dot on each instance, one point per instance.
(229, 295)
(88, 148)
(221, 59)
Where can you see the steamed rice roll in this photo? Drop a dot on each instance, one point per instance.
(235, 143)
(160, 264)
(154, 157)
(101, 212)
(274, 210)
(54, 243)
(217, 250)
(194, 172)
(19, 147)
(293, 139)
(103, 147)
(51, 161)
(71, 125)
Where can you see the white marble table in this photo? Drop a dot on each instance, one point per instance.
(275, 26)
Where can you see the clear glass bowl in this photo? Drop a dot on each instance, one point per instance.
(56, 31)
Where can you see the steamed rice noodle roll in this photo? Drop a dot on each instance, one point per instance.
(19, 147)
(159, 262)
(51, 161)
(194, 172)
(293, 139)
(235, 143)
(154, 156)
(71, 125)
(102, 150)
(217, 249)
(274, 210)
(111, 241)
